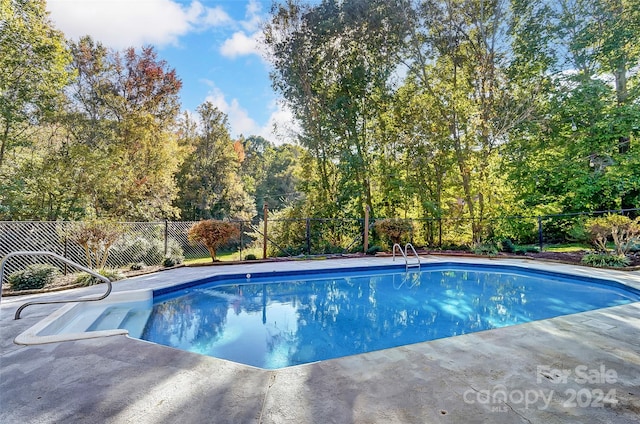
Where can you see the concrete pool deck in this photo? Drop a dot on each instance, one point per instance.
(581, 368)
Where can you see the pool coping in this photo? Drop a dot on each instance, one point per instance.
(32, 335)
(425, 382)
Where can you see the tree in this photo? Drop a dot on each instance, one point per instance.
(213, 234)
(578, 153)
(121, 115)
(33, 69)
(332, 64)
(271, 173)
(209, 180)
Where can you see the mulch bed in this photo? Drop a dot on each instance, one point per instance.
(564, 257)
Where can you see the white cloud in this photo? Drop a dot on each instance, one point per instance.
(216, 16)
(239, 119)
(241, 44)
(280, 127)
(253, 16)
(124, 23)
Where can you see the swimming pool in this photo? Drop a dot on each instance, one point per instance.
(273, 320)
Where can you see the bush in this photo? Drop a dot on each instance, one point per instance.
(622, 230)
(213, 234)
(85, 279)
(508, 246)
(521, 250)
(34, 276)
(168, 262)
(396, 230)
(374, 249)
(96, 238)
(147, 250)
(605, 260)
(250, 257)
(137, 266)
(488, 249)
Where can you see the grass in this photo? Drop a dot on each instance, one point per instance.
(225, 257)
(567, 247)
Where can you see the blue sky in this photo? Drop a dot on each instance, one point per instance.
(213, 45)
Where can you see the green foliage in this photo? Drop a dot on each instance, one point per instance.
(137, 266)
(84, 279)
(213, 234)
(250, 257)
(169, 261)
(521, 250)
(395, 230)
(209, 180)
(622, 230)
(33, 70)
(605, 260)
(485, 249)
(34, 276)
(372, 250)
(140, 248)
(507, 246)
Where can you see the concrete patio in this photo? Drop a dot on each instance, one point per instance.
(581, 368)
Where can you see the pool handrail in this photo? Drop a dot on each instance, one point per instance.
(61, 259)
(404, 254)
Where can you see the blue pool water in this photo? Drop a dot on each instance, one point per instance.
(274, 322)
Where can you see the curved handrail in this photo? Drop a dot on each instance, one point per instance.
(401, 252)
(409, 245)
(62, 259)
(404, 253)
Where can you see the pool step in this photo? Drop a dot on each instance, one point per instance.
(129, 318)
(77, 321)
(135, 322)
(128, 310)
(109, 319)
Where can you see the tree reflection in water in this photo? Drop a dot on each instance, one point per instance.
(285, 323)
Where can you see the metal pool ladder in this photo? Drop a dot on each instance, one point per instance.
(61, 259)
(404, 255)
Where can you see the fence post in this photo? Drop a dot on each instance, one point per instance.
(265, 210)
(166, 237)
(66, 253)
(366, 229)
(540, 241)
(241, 233)
(308, 235)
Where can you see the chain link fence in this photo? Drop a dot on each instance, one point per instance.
(151, 242)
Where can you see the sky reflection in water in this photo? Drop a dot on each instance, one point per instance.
(279, 324)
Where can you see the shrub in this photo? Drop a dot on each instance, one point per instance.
(488, 249)
(96, 238)
(213, 234)
(605, 260)
(521, 250)
(137, 266)
(624, 232)
(250, 257)
(85, 279)
(396, 230)
(374, 249)
(34, 276)
(168, 262)
(508, 246)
